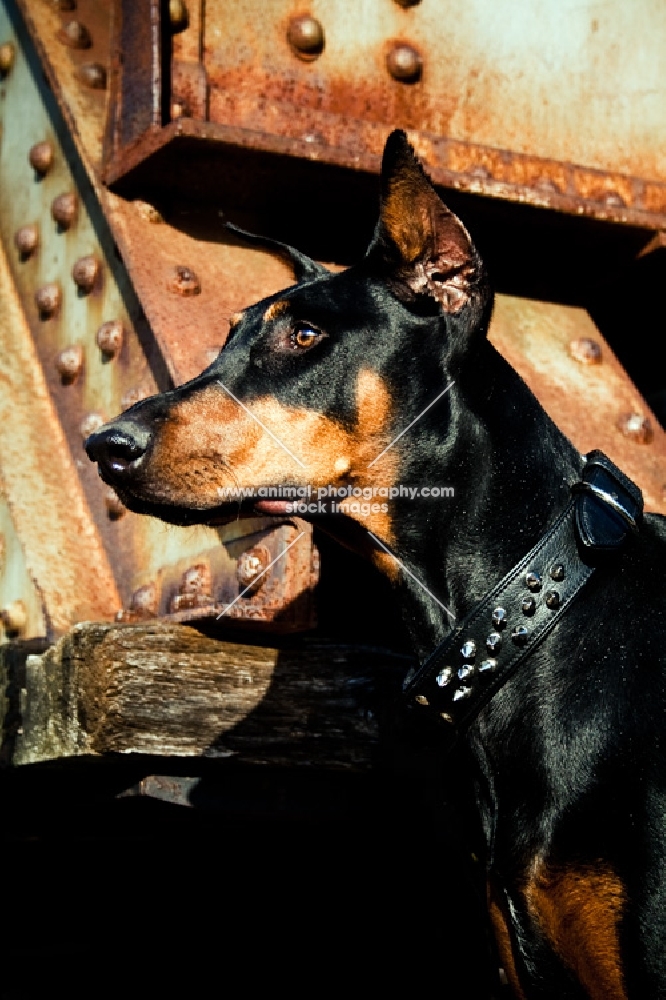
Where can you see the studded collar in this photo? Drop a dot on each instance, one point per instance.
(477, 658)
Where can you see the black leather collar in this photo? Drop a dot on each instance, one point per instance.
(481, 653)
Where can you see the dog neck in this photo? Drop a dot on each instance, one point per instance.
(511, 469)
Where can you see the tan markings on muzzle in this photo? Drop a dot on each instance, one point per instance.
(235, 319)
(208, 442)
(275, 309)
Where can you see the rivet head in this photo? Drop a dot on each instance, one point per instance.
(110, 337)
(48, 299)
(7, 56)
(115, 508)
(528, 606)
(494, 642)
(499, 618)
(404, 63)
(41, 157)
(462, 692)
(92, 75)
(636, 427)
(250, 567)
(144, 601)
(557, 571)
(520, 635)
(585, 350)
(445, 676)
(488, 666)
(183, 281)
(133, 396)
(533, 581)
(421, 699)
(75, 35)
(85, 272)
(70, 362)
(306, 37)
(552, 599)
(14, 617)
(26, 240)
(90, 424)
(467, 670)
(468, 649)
(196, 580)
(64, 209)
(178, 16)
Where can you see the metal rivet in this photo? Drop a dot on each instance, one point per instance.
(64, 209)
(196, 580)
(7, 56)
(115, 508)
(467, 670)
(463, 692)
(421, 699)
(92, 75)
(90, 424)
(184, 281)
(404, 63)
(585, 350)
(70, 362)
(178, 16)
(41, 157)
(144, 601)
(250, 565)
(494, 642)
(48, 299)
(85, 272)
(468, 649)
(557, 571)
(109, 337)
(636, 427)
(147, 212)
(520, 635)
(552, 599)
(488, 666)
(533, 580)
(75, 35)
(528, 607)
(445, 676)
(14, 617)
(26, 240)
(499, 618)
(306, 37)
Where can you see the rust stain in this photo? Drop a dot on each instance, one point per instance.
(579, 911)
(588, 402)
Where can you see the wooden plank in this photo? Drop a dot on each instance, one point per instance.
(169, 690)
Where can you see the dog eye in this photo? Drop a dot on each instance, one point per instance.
(304, 336)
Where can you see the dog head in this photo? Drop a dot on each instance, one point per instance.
(314, 383)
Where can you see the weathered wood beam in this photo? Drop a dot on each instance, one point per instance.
(165, 689)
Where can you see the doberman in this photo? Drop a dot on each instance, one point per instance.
(571, 746)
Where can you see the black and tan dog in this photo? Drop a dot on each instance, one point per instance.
(572, 747)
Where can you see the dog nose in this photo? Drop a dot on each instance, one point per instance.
(118, 448)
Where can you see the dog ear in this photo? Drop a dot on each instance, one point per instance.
(426, 247)
(304, 268)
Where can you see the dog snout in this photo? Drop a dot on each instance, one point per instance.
(118, 449)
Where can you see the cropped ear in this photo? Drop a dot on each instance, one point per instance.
(304, 268)
(425, 247)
